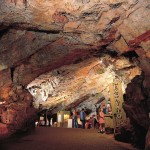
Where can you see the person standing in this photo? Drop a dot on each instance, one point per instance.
(101, 121)
(82, 118)
(75, 122)
(108, 108)
(103, 106)
(95, 122)
(45, 118)
(49, 114)
(96, 109)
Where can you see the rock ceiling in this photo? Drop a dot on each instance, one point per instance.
(38, 36)
(67, 52)
(65, 87)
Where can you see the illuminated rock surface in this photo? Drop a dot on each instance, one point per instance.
(62, 43)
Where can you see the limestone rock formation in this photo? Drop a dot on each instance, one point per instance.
(38, 36)
(16, 111)
(70, 83)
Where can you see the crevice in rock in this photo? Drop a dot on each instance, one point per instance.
(125, 68)
(77, 61)
(124, 39)
(3, 32)
(117, 5)
(104, 51)
(114, 20)
(12, 69)
(130, 54)
(45, 31)
(28, 27)
(133, 12)
(132, 5)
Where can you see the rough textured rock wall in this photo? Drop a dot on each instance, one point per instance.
(16, 110)
(137, 108)
(38, 36)
(89, 77)
(65, 30)
(147, 145)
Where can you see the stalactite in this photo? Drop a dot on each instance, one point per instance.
(14, 1)
(25, 3)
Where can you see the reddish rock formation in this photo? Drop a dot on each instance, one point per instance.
(17, 112)
(39, 36)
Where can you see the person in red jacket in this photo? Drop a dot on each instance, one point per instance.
(101, 121)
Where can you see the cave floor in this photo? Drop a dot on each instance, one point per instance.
(51, 138)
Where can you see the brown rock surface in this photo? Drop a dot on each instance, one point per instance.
(41, 36)
(16, 111)
(137, 107)
(147, 146)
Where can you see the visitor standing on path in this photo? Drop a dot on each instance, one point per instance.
(82, 118)
(101, 121)
(49, 114)
(75, 122)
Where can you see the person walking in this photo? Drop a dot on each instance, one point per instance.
(82, 118)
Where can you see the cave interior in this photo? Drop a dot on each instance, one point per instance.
(62, 54)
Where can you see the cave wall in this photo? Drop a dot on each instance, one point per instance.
(137, 108)
(17, 113)
(39, 36)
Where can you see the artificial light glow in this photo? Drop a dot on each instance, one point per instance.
(2, 102)
(66, 116)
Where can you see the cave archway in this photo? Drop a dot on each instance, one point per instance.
(37, 37)
(88, 78)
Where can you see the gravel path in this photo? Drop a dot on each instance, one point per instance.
(47, 138)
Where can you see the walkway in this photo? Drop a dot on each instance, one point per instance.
(47, 138)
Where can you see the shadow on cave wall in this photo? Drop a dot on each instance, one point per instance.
(137, 107)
